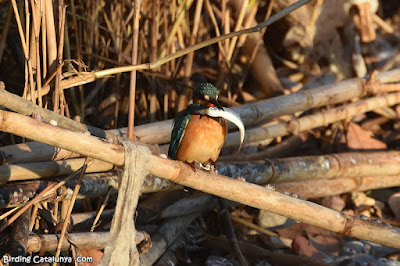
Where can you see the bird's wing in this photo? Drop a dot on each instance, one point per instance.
(180, 123)
(178, 131)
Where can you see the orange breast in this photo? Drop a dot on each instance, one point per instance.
(203, 139)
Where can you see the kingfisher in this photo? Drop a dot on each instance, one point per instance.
(199, 131)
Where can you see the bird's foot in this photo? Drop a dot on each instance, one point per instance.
(210, 167)
(213, 167)
(196, 165)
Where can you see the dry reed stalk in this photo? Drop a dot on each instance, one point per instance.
(77, 80)
(193, 37)
(29, 86)
(182, 9)
(44, 39)
(25, 48)
(211, 14)
(35, 209)
(51, 40)
(295, 126)
(36, 17)
(83, 241)
(58, 93)
(225, 43)
(132, 90)
(227, 27)
(239, 21)
(181, 173)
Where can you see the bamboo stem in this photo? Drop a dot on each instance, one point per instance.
(22, 106)
(96, 240)
(323, 188)
(27, 171)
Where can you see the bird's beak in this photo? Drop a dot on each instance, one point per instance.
(216, 103)
(229, 115)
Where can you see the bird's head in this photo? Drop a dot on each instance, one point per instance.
(207, 94)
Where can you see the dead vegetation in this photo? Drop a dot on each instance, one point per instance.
(318, 90)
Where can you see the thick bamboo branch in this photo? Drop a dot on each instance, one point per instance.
(322, 188)
(84, 241)
(181, 173)
(27, 171)
(11, 122)
(93, 186)
(354, 164)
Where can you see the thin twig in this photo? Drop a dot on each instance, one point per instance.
(71, 206)
(96, 219)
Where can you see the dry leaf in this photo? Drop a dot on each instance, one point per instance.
(360, 199)
(95, 254)
(394, 204)
(358, 138)
(302, 246)
(320, 240)
(333, 202)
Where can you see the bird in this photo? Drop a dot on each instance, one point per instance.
(200, 130)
